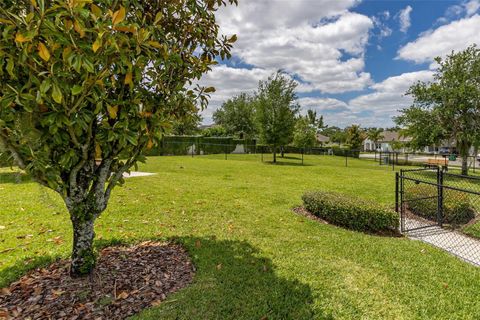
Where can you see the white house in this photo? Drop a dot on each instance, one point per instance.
(385, 143)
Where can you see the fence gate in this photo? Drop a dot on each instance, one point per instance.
(441, 208)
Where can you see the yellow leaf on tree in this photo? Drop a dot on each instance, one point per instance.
(96, 45)
(128, 78)
(119, 15)
(124, 29)
(43, 52)
(98, 151)
(20, 38)
(68, 24)
(78, 27)
(155, 44)
(150, 144)
(66, 52)
(112, 111)
(96, 10)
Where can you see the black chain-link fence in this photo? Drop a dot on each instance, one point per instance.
(422, 159)
(441, 208)
(226, 148)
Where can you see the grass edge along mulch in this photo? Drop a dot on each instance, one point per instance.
(125, 281)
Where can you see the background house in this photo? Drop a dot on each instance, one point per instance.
(388, 142)
(322, 140)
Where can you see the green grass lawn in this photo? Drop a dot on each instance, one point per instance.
(255, 258)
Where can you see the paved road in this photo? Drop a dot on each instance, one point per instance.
(424, 159)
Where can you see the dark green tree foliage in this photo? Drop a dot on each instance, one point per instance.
(355, 137)
(237, 116)
(304, 135)
(215, 131)
(83, 81)
(448, 107)
(335, 134)
(276, 107)
(186, 124)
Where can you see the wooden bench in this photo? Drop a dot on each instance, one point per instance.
(437, 163)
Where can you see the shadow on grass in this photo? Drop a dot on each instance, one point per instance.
(232, 281)
(284, 163)
(13, 177)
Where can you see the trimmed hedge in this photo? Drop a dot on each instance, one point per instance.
(183, 145)
(457, 209)
(217, 145)
(350, 212)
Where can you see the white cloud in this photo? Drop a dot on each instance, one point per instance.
(404, 17)
(471, 7)
(456, 35)
(389, 95)
(229, 82)
(320, 42)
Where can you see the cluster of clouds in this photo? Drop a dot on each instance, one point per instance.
(322, 44)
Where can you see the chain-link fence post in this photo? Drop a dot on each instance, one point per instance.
(440, 196)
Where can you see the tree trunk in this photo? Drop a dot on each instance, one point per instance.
(282, 151)
(83, 255)
(274, 154)
(464, 165)
(464, 150)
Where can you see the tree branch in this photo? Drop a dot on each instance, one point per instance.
(16, 155)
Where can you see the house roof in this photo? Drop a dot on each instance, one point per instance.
(388, 136)
(322, 138)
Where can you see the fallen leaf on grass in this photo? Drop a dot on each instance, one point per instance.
(156, 303)
(3, 314)
(5, 292)
(198, 244)
(122, 295)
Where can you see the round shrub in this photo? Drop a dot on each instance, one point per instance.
(457, 209)
(350, 212)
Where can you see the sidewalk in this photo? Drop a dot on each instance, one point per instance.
(458, 244)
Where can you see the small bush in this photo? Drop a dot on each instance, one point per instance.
(457, 208)
(351, 213)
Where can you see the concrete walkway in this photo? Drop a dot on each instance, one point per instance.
(456, 243)
(134, 174)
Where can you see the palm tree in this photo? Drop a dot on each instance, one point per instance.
(315, 122)
(375, 135)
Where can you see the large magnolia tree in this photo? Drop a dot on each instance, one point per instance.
(87, 86)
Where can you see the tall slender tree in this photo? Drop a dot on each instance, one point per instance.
(355, 137)
(276, 107)
(88, 86)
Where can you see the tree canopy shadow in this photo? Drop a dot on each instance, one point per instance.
(234, 282)
(285, 163)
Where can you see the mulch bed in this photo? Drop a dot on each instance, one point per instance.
(125, 281)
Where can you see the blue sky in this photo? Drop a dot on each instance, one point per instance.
(353, 59)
